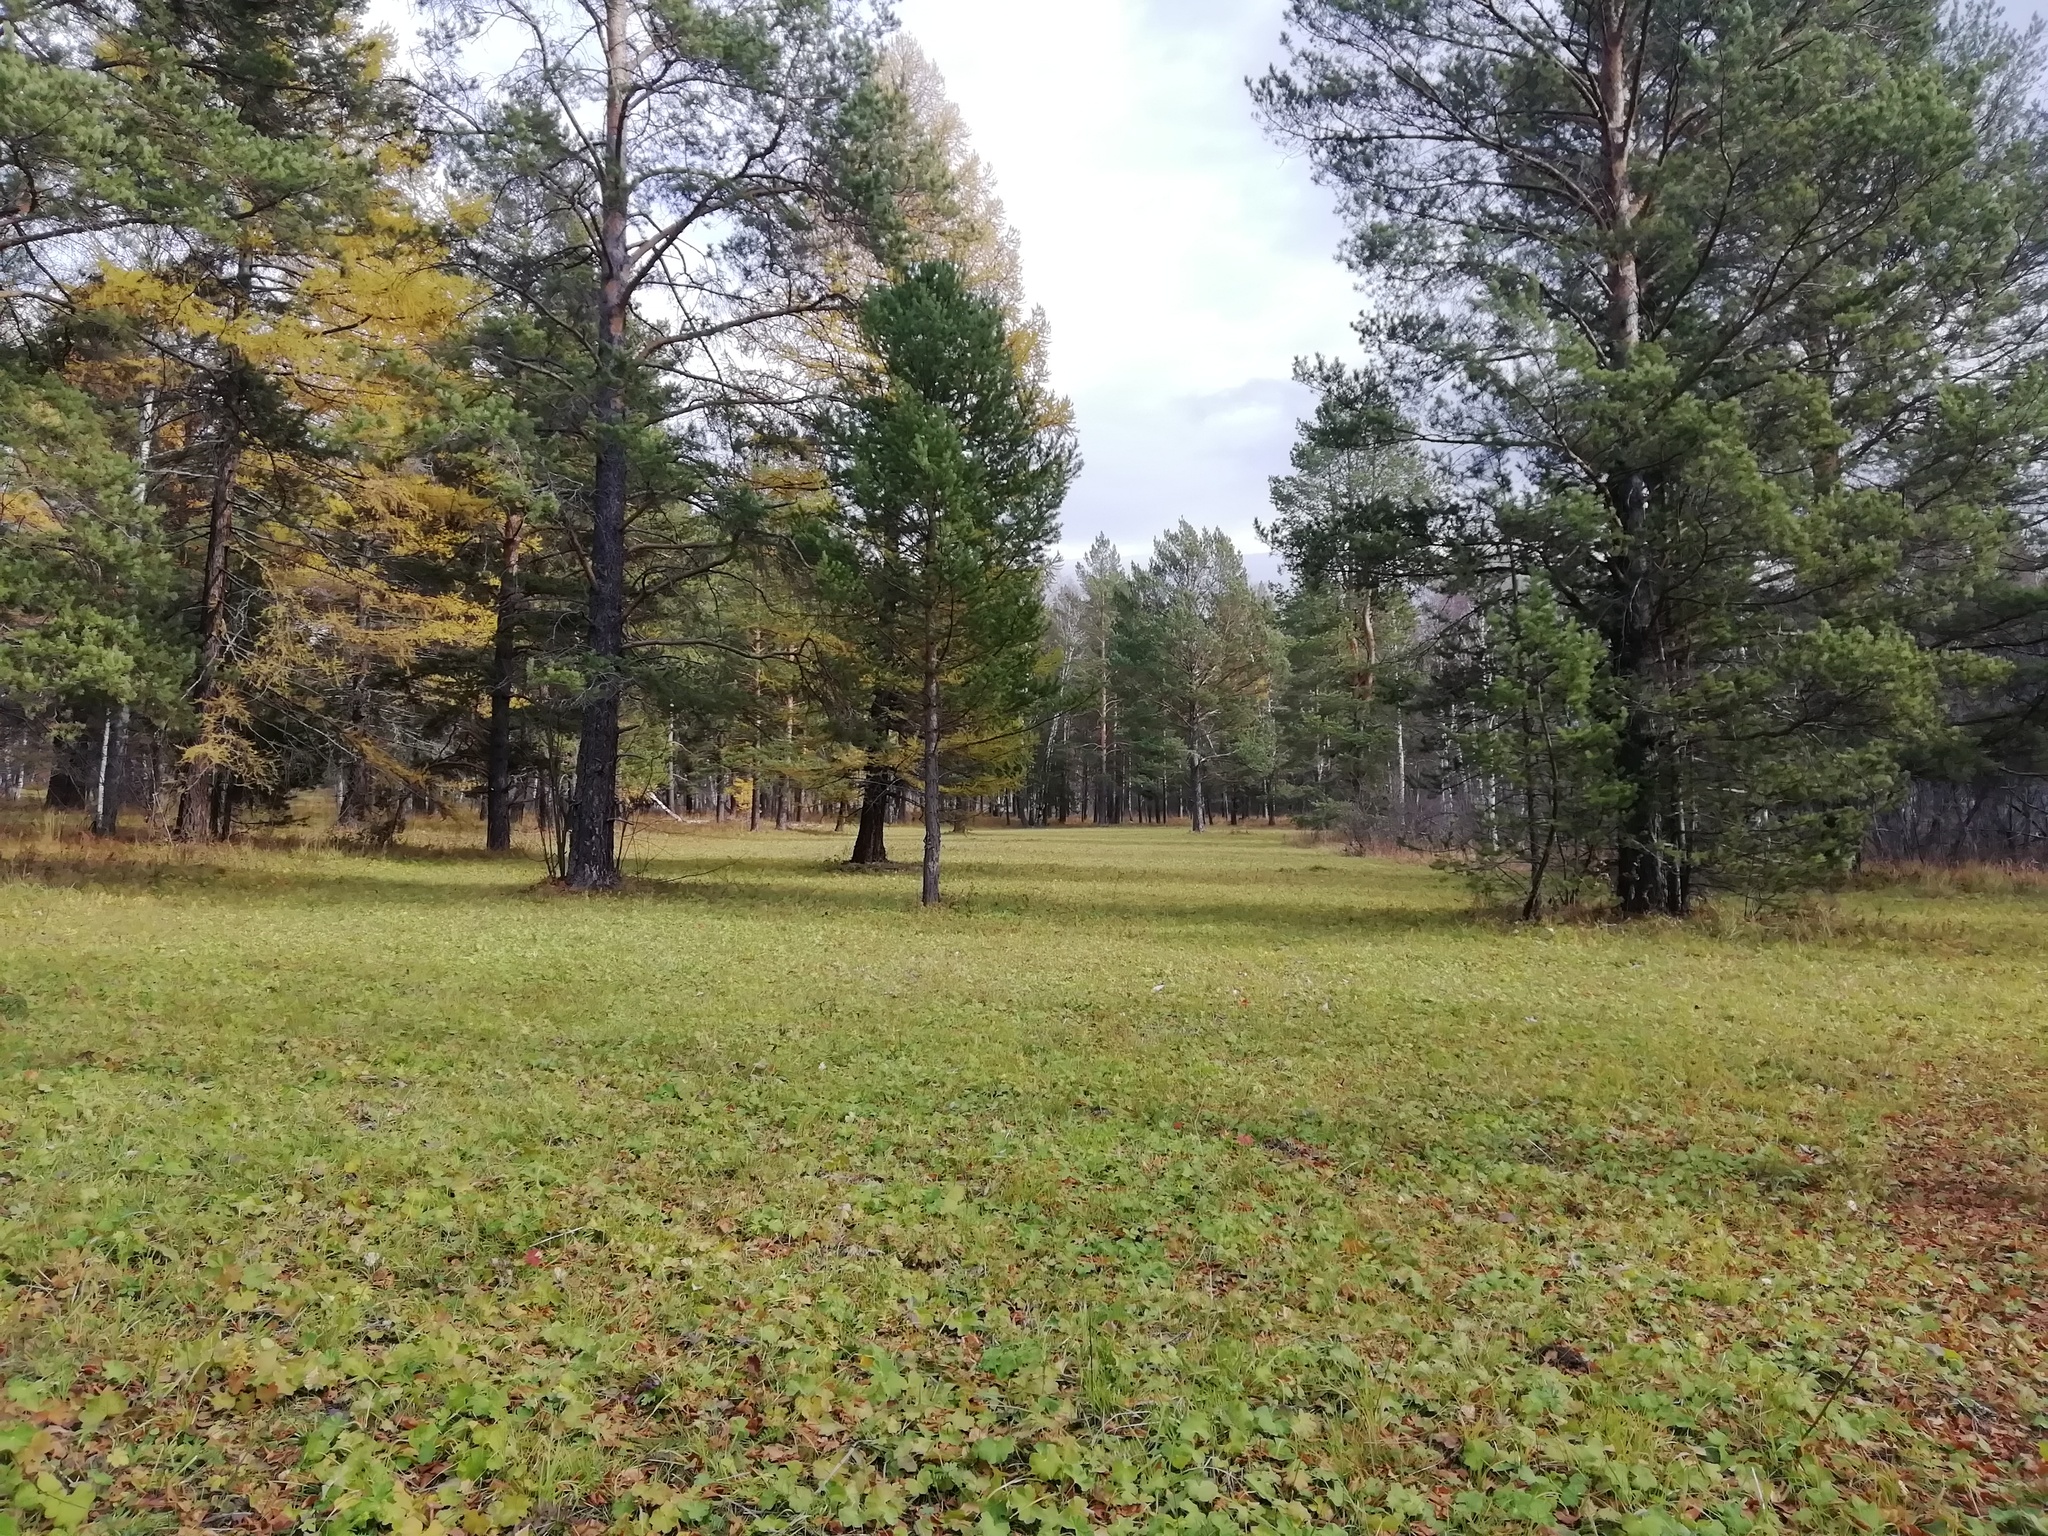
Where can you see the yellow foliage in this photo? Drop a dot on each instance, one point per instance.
(26, 511)
(339, 524)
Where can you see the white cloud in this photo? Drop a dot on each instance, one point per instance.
(1184, 259)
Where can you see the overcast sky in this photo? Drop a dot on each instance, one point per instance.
(1184, 259)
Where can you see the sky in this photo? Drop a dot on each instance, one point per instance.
(1184, 259)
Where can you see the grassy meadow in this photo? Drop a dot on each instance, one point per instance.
(1155, 1184)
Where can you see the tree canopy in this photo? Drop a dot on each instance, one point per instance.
(638, 409)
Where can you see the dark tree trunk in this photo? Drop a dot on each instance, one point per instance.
(1640, 887)
(70, 776)
(222, 805)
(593, 844)
(871, 842)
(1639, 883)
(358, 798)
(593, 811)
(504, 685)
(199, 793)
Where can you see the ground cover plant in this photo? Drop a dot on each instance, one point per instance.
(1155, 1183)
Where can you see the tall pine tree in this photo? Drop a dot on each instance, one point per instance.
(1720, 324)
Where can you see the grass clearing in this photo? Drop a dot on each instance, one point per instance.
(1155, 1184)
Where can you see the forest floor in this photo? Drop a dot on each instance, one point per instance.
(1156, 1183)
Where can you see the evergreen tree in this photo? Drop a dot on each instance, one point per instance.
(1198, 655)
(1717, 323)
(657, 177)
(950, 484)
(218, 147)
(1351, 526)
(89, 629)
(1085, 613)
(1352, 674)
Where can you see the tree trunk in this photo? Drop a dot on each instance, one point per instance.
(678, 801)
(1198, 810)
(70, 777)
(593, 844)
(112, 789)
(783, 785)
(1639, 886)
(1677, 852)
(1105, 805)
(1401, 777)
(226, 798)
(196, 818)
(504, 683)
(930, 894)
(357, 802)
(1638, 871)
(111, 786)
(871, 842)
(1369, 677)
(1624, 288)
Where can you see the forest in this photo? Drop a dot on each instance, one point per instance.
(689, 447)
(611, 919)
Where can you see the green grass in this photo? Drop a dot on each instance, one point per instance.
(1155, 1184)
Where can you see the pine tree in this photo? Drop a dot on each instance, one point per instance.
(1086, 611)
(1714, 322)
(1197, 652)
(88, 592)
(216, 145)
(950, 483)
(657, 177)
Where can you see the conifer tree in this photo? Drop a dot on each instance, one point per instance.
(1087, 613)
(219, 148)
(658, 177)
(1717, 323)
(950, 481)
(1199, 654)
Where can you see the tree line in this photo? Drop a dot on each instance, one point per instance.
(625, 409)
(527, 422)
(1681, 532)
